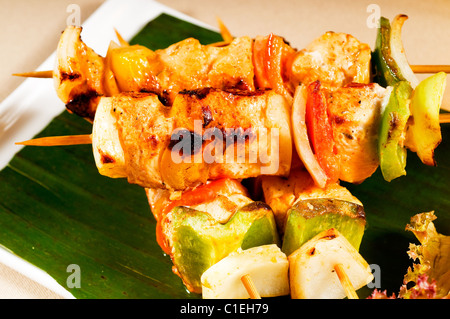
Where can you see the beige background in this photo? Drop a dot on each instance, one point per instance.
(30, 31)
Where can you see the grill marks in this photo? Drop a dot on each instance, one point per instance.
(207, 115)
(219, 122)
(84, 104)
(65, 76)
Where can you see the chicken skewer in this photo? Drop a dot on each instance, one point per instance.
(206, 199)
(274, 108)
(72, 48)
(354, 112)
(424, 69)
(81, 76)
(99, 116)
(209, 198)
(136, 137)
(183, 66)
(88, 138)
(323, 166)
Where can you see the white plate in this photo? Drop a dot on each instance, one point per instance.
(32, 106)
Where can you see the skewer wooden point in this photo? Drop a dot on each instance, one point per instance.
(430, 68)
(122, 41)
(36, 74)
(224, 32)
(58, 140)
(345, 281)
(250, 287)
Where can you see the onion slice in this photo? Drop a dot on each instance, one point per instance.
(398, 52)
(301, 139)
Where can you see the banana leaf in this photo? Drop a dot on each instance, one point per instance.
(56, 210)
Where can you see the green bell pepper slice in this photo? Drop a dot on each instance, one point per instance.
(389, 61)
(391, 150)
(309, 217)
(386, 71)
(197, 240)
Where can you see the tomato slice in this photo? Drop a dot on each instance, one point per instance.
(320, 131)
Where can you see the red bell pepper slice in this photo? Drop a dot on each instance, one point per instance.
(270, 56)
(320, 131)
(259, 61)
(276, 55)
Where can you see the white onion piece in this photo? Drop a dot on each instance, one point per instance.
(301, 139)
(68, 61)
(398, 52)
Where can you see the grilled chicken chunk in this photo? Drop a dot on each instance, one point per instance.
(252, 139)
(195, 140)
(354, 111)
(188, 65)
(335, 59)
(81, 76)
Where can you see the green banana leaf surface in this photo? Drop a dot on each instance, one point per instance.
(57, 211)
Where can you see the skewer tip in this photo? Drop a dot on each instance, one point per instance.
(250, 287)
(225, 33)
(122, 41)
(345, 281)
(36, 74)
(58, 140)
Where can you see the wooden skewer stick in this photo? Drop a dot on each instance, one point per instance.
(227, 39)
(36, 74)
(87, 139)
(59, 140)
(345, 281)
(444, 118)
(430, 68)
(250, 286)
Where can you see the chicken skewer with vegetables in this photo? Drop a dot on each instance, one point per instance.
(335, 59)
(135, 136)
(197, 139)
(268, 62)
(81, 76)
(336, 133)
(216, 236)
